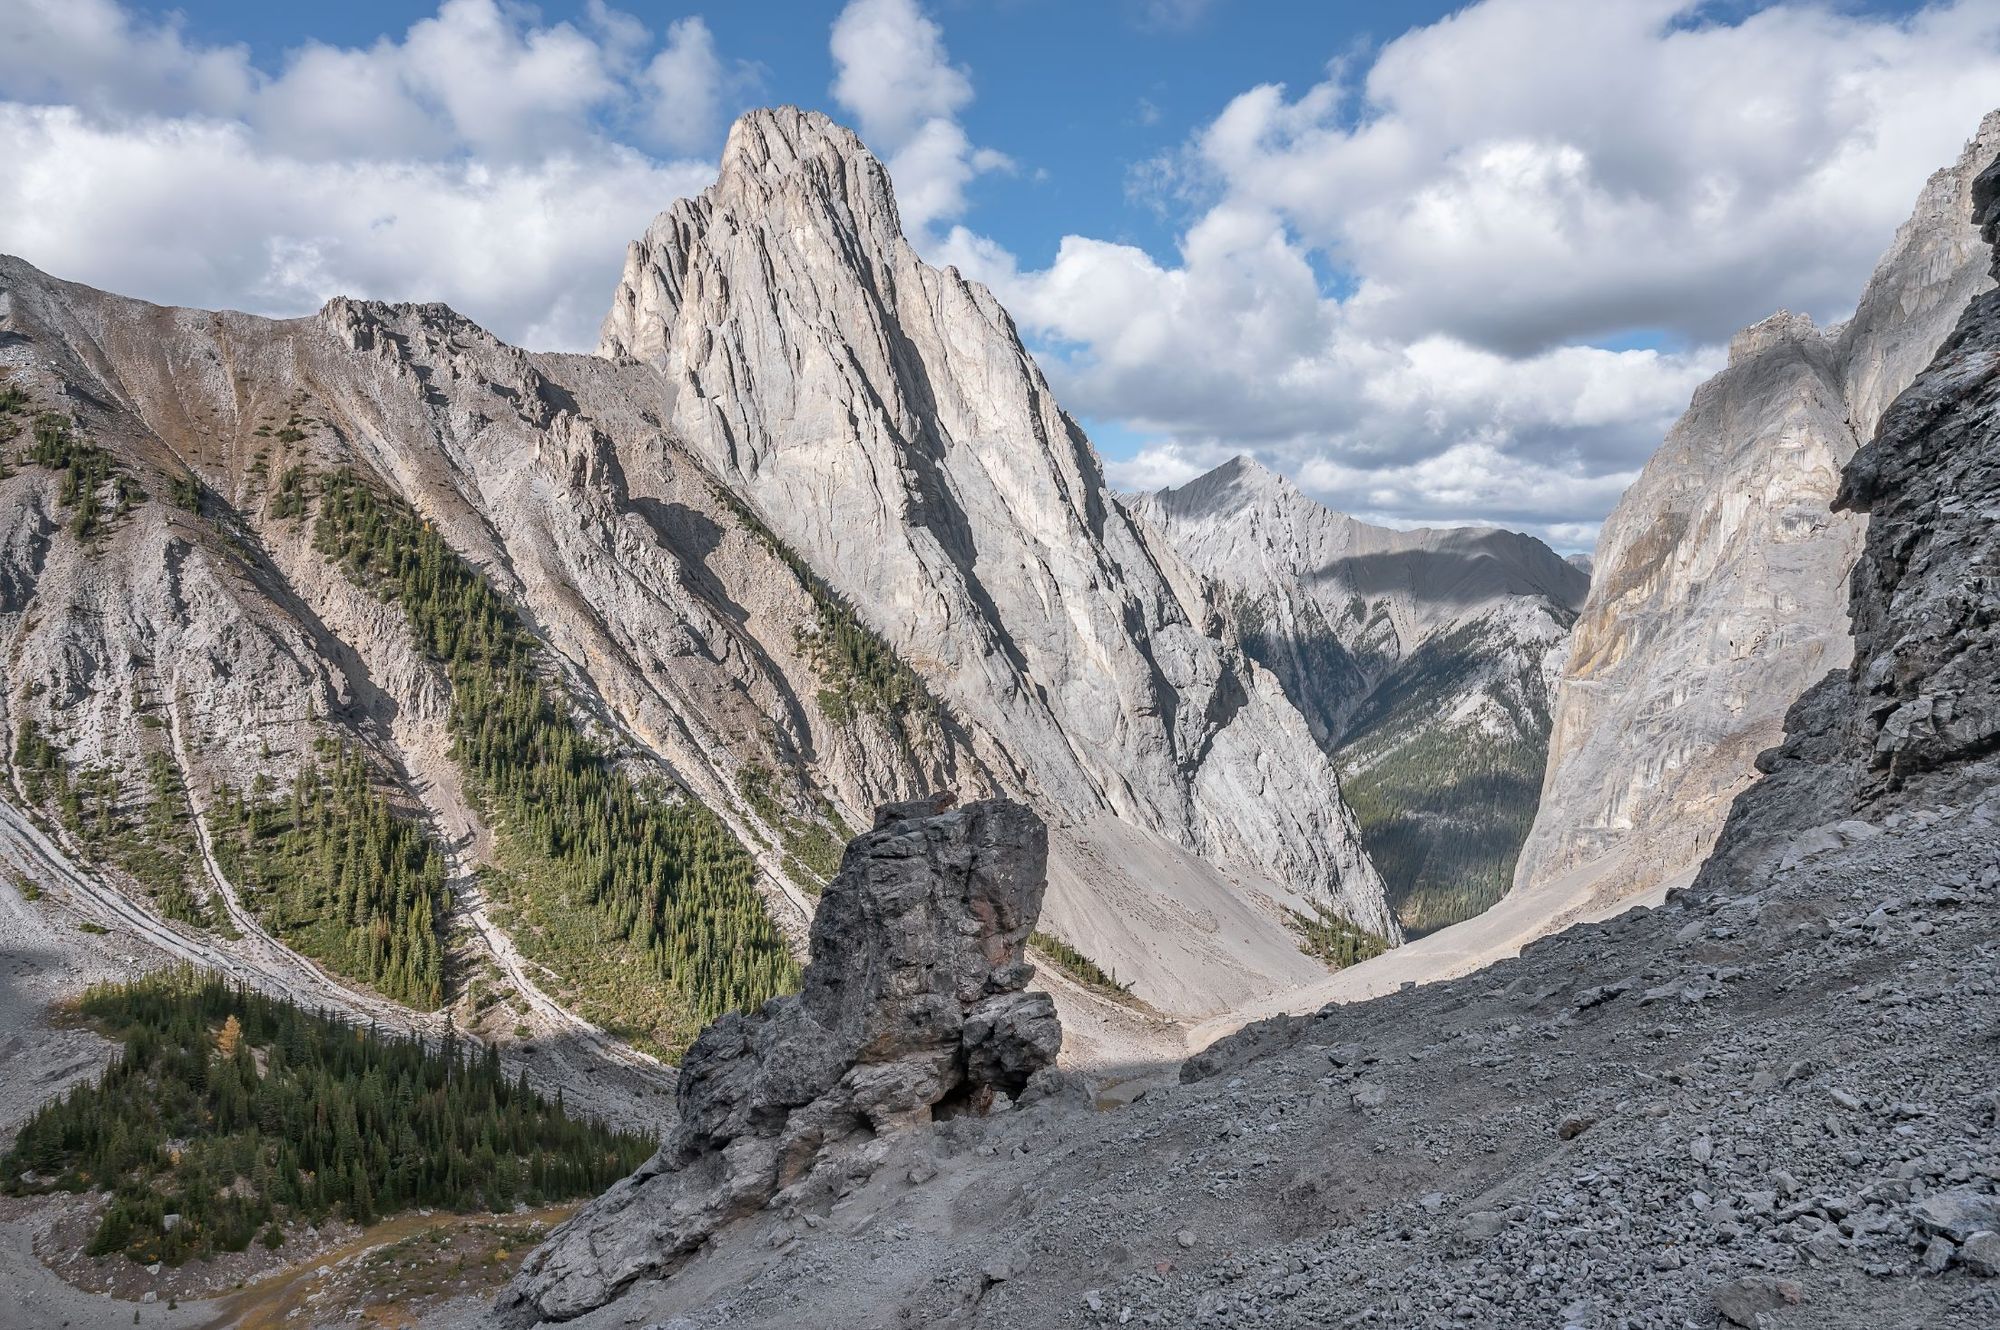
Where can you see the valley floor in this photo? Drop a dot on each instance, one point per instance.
(1781, 1098)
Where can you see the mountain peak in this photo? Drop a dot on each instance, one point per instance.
(1239, 483)
(882, 418)
(777, 149)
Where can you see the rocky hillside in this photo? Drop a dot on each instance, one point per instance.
(1720, 584)
(883, 419)
(1761, 1105)
(260, 578)
(1424, 660)
(603, 696)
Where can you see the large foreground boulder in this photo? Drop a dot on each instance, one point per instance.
(912, 1008)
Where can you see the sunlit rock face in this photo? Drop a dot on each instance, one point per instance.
(1720, 592)
(1914, 718)
(883, 418)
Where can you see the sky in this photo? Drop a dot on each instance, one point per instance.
(1438, 263)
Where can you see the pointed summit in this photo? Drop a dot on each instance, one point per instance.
(1237, 483)
(882, 417)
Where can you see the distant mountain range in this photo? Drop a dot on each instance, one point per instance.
(1423, 660)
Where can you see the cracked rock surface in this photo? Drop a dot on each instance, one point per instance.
(912, 1006)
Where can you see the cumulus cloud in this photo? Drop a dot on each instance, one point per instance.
(1652, 168)
(1395, 284)
(473, 160)
(689, 83)
(893, 74)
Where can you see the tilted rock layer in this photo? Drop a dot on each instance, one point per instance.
(1720, 586)
(882, 416)
(1424, 660)
(913, 1003)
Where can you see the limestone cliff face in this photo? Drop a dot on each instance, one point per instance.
(1424, 660)
(882, 416)
(1720, 585)
(1914, 717)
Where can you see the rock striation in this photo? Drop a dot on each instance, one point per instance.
(1424, 661)
(1719, 592)
(912, 1007)
(883, 418)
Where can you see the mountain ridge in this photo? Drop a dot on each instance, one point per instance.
(1423, 660)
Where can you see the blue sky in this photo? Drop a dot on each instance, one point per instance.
(1439, 263)
(1078, 93)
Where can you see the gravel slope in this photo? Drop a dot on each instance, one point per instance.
(1603, 1133)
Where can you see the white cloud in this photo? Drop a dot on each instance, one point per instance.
(893, 73)
(471, 161)
(690, 82)
(1391, 282)
(188, 211)
(1652, 168)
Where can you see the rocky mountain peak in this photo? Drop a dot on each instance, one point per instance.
(785, 150)
(1239, 482)
(882, 417)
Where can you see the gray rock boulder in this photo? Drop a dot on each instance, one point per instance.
(1743, 1302)
(912, 1008)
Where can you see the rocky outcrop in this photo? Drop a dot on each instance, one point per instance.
(1915, 717)
(1424, 660)
(912, 1007)
(1720, 591)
